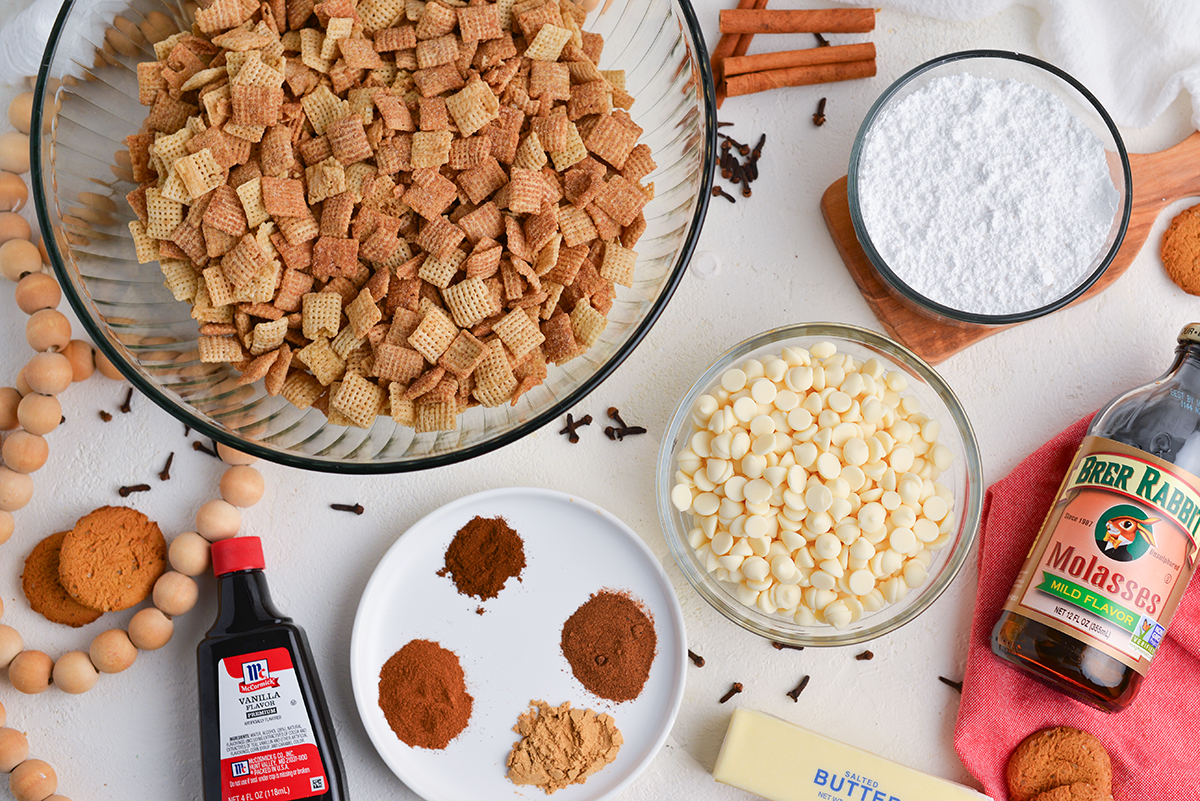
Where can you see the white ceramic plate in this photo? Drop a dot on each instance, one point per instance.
(510, 654)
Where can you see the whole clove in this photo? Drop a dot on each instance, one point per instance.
(573, 425)
(745, 186)
(794, 693)
(865, 656)
(165, 473)
(200, 446)
(696, 658)
(105, 416)
(126, 491)
(821, 40)
(743, 149)
(780, 646)
(125, 406)
(356, 508)
(734, 690)
(719, 192)
(956, 685)
(724, 124)
(756, 153)
(186, 429)
(819, 117)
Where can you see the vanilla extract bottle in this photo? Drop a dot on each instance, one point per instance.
(265, 730)
(1093, 601)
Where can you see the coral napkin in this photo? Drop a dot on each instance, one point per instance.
(1152, 742)
(1136, 56)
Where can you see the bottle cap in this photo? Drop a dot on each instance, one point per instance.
(1190, 333)
(237, 553)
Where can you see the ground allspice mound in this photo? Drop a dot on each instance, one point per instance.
(560, 746)
(484, 554)
(610, 644)
(423, 695)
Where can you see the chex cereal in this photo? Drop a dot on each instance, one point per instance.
(390, 207)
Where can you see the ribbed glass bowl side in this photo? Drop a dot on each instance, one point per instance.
(81, 175)
(964, 479)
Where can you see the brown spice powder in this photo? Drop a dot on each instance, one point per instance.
(610, 644)
(560, 746)
(423, 695)
(484, 554)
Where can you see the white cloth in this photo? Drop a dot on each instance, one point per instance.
(1134, 55)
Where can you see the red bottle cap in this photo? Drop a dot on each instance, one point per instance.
(237, 553)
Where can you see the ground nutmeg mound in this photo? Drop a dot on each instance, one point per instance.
(610, 644)
(423, 695)
(560, 746)
(483, 556)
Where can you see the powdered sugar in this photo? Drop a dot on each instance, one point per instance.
(986, 196)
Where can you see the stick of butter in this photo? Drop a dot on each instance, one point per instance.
(783, 762)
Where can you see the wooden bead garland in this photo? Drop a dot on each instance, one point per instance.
(28, 412)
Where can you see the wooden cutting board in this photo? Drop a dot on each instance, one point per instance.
(1159, 179)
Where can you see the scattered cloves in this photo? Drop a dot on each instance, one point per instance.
(819, 117)
(743, 149)
(734, 690)
(200, 446)
(696, 658)
(794, 693)
(620, 430)
(165, 474)
(865, 656)
(356, 508)
(126, 491)
(125, 407)
(572, 425)
(105, 416)
(957, 685)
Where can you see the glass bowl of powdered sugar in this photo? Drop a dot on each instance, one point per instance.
(989, 188)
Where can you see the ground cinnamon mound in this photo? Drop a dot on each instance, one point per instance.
(484, 554)
(423, 695)
(610, 644)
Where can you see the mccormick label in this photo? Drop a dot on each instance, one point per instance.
(267, 746)
(1115, 552)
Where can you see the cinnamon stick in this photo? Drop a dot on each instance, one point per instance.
(826, 20)
(753, 82)
(798, 58)
(730, 44)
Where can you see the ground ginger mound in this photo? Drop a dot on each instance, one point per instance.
(560, 746)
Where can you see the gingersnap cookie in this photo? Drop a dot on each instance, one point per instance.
(1055, 758)
(1080, 791)
(112, 558)
(1180, 250)
(45, 592)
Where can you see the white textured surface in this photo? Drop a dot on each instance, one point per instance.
(136, 734)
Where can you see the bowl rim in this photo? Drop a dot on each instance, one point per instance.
(892, 281)
(969, 520)
(186, 414)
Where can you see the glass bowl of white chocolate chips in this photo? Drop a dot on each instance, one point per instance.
(819, 484)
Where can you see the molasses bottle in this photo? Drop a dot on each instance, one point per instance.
(1091, 605)
(265, 730)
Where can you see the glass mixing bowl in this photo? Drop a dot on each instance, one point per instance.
(964, 478)
(81, 175)
(997, 65)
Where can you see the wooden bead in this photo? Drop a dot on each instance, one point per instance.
(48, 329)
(13, 226)
(17, 256)
(3, 714)
(21, 384)
(189, 553)
(48, 373)
(20, 112)
(112, 651)
(14, 749)
(39, 414)
(7, 526)
(33, 780)
(14, 152)
(175, 594)
(107, 368)
(15, 489)
(242, 485)
(25, 452)
(232, 456)
(13, 193)
(82, 357)
(74, 673)
(158, 26)
(218, 520)
(150, 629)
(11, 644)
(9, 400)
(37, 291)
(41, 246)
(29, 672)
